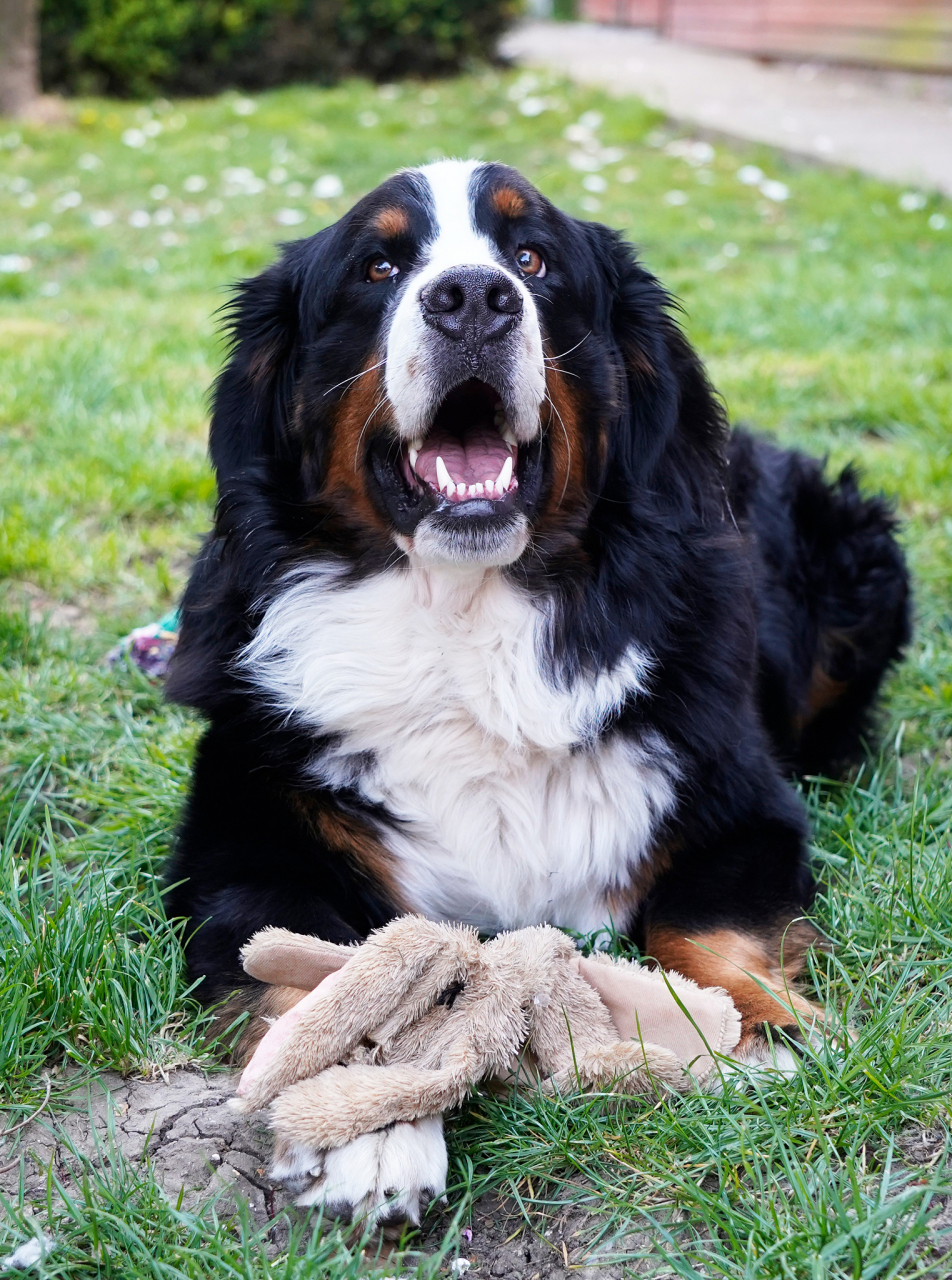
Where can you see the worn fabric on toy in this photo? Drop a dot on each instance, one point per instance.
(403, 1026)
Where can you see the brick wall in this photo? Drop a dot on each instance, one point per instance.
(909, 33)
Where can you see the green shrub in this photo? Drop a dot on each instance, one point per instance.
(137, 47)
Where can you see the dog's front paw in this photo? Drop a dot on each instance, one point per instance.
(385, 1179)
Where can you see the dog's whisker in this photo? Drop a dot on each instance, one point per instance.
(379, 405)
(568, 446)
(363, 373)
(549, 359)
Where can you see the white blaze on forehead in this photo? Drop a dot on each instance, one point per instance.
(456, 241)
(412, 377)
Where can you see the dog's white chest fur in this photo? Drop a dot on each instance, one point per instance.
(510, 811)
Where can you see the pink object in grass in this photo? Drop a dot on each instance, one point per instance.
(279, 1031)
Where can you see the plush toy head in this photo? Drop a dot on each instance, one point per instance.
(403, 1026)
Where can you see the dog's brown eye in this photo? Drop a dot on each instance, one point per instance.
(530, 263)
(380, 269)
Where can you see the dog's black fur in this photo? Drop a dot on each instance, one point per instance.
(772, 600)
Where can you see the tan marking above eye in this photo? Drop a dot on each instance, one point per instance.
(380, 269)
(508, 202)
(529, 262)
(392, 222)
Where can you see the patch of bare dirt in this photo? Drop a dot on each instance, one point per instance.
(199, 1148)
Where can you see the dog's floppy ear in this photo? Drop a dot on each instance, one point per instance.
(670, 401)
(252, 401)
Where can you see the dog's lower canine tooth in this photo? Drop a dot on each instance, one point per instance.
(443, 478)
(509, 436)
(413, 454)
(505, 475)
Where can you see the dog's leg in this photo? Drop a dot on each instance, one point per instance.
(758, 971)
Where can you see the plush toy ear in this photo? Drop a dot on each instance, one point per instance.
(290, 959)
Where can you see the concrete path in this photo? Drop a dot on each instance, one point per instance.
(894, 125)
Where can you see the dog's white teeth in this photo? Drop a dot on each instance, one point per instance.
(413, 453)
(475, 490)
(443, 478)
(461, 491)
(509, 436)
(505, 475)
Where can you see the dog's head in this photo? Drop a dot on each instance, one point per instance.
(457, 367)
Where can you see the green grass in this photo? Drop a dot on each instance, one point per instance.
(825, 319)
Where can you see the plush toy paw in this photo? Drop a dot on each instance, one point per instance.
(386, 1178)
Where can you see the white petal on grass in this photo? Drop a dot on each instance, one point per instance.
(213, 207)
(195, 183)
(328, 187)
(675, 197)
(277, 175)
(39, 232)
(162, 217)
(627, 174)
(27, 200)
(14, 264)
(244, 106)
(773, 190)
(140, 218)
(241, 181)
(750, 175)
(88, 161)
(68, 200)
(937, 221)
(190, 214)
(730, 250)
(532, 106)
(28, 1254)
(158, 192)
(289, 217)
(152, 128)
(295, 189)
(11, 140)
(102, 217)
(169, 239)
(591, 120)
(591, 204)
(584, 162)
(18, 184)
(911, 201)
(883, 269)
(150, 265)
(50, 289)
(134, 138)
(594, 182)
(367, 119)
(576, 133)
(695, 151)
(611, 155)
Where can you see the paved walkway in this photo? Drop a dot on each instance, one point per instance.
(893, 125)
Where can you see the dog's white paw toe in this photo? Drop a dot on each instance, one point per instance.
(383, 1179)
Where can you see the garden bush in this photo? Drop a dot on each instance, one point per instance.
(138, 47)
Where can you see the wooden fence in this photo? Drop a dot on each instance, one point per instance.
(903, 33)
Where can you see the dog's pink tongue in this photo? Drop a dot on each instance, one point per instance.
(475, 459)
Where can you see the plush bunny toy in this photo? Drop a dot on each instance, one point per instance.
(400, 1029)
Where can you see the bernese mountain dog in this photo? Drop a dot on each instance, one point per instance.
(500, 624)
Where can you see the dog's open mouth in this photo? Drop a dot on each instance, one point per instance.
(465, 483)
(469, 452)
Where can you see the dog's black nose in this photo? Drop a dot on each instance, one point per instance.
(472, 304)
